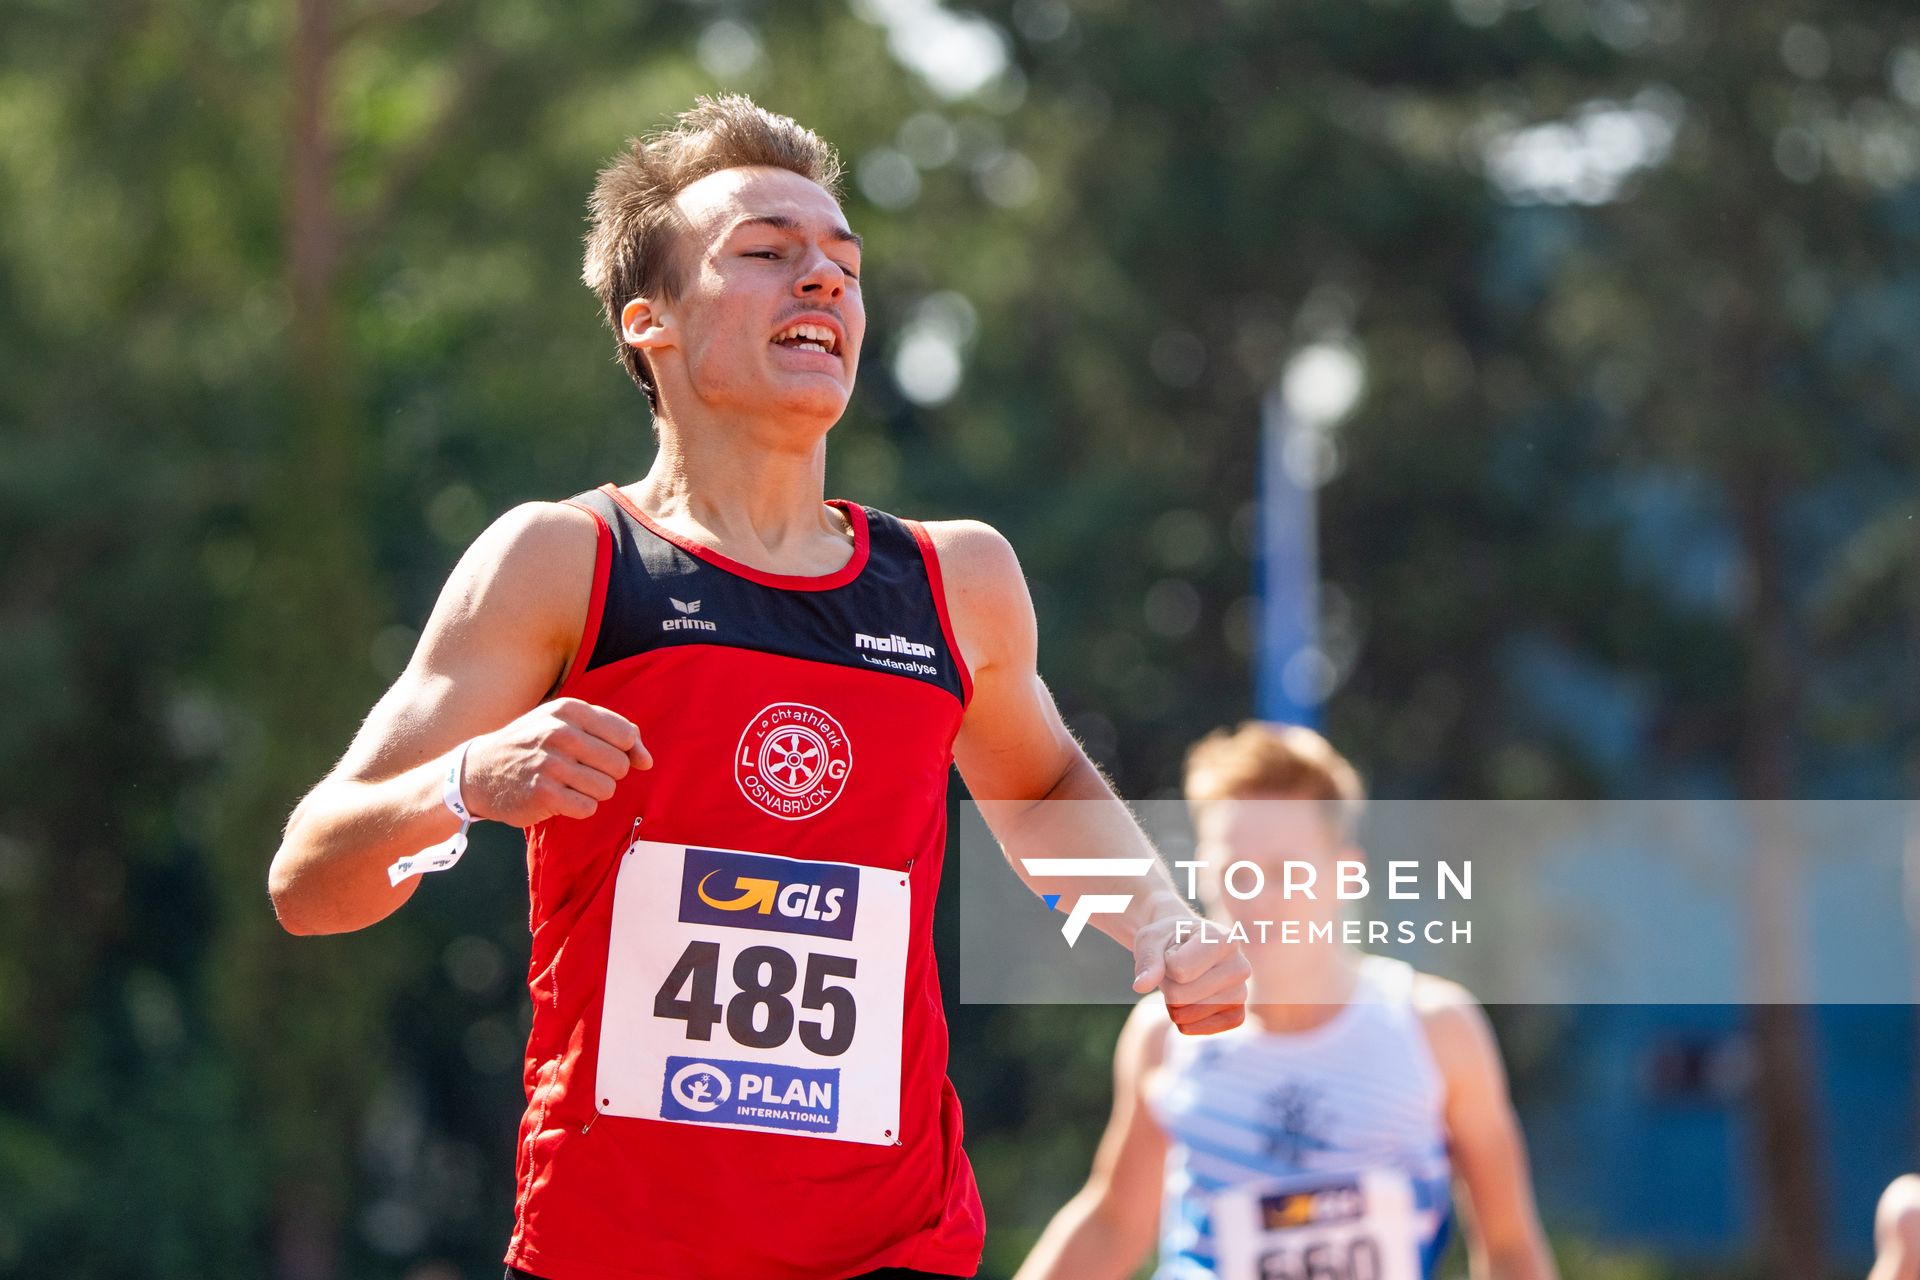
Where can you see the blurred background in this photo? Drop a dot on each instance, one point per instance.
(1563, 351)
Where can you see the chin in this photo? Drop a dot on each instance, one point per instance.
(817, 403)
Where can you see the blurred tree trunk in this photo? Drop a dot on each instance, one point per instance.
(1792, 1188)
(306, 1014)
(312, 533)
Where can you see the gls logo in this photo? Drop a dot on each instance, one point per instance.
(779, 895)
(797, 899)
(689, 622)
(1087, 905)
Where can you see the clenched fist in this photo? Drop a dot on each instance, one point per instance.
(1204, 978)
(560, 759)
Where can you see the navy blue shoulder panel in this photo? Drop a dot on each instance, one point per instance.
(885, 619)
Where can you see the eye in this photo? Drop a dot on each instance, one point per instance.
(848, 271)
(769, 254)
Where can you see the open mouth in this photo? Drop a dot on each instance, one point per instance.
(808, 337)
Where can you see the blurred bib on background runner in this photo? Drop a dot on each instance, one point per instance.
(747, 991)
(1320, 1227)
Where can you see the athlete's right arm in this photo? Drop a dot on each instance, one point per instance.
(500, 636)
(1108, 1227)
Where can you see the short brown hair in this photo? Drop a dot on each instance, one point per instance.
(1260, 758)
(630, 246)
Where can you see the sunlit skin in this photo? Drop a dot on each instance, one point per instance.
(1896, 1231)
(1294, 984)
(759, 250)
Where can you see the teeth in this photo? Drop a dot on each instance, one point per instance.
(818, 337)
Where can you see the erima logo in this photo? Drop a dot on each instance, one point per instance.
(687, 623)
(1087, 905)
(891, 644)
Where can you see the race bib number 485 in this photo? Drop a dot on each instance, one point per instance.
(1357, 1227)
(748, 991)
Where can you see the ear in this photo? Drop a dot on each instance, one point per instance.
(644, 326)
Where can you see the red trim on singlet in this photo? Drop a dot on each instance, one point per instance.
(932, 558)
(856, 515)
(590, 632)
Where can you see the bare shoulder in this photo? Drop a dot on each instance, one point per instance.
(504, 628)
(986, 593)
(524, 583)
(536, 536)
(1456, 1026)
(1433, 994)
(535, 552)
(972, 552)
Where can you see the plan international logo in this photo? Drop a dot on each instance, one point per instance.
(767, 1095)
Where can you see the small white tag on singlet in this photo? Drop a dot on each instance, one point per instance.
(1318, 1227)
(748, 991)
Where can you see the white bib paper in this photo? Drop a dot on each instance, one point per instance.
(1318, 1227)
(747, 991)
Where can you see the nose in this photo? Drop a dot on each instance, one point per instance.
(822, 278)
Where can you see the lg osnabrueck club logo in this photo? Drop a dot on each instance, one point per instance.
(792, 760)
(1087, 905)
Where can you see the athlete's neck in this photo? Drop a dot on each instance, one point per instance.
(753, 495)
(1299, 987)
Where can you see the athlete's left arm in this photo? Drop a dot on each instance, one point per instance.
(1015, 753)
(1489, 1152)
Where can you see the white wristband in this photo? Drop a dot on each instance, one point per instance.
(441, 856)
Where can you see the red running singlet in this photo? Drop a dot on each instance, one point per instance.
(772, 956)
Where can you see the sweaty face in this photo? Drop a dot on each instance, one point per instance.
(1270, 833)
(769, 318)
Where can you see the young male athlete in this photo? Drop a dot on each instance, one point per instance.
(1320, 1140)
(724, 711)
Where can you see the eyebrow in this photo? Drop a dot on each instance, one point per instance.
(781, 222)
